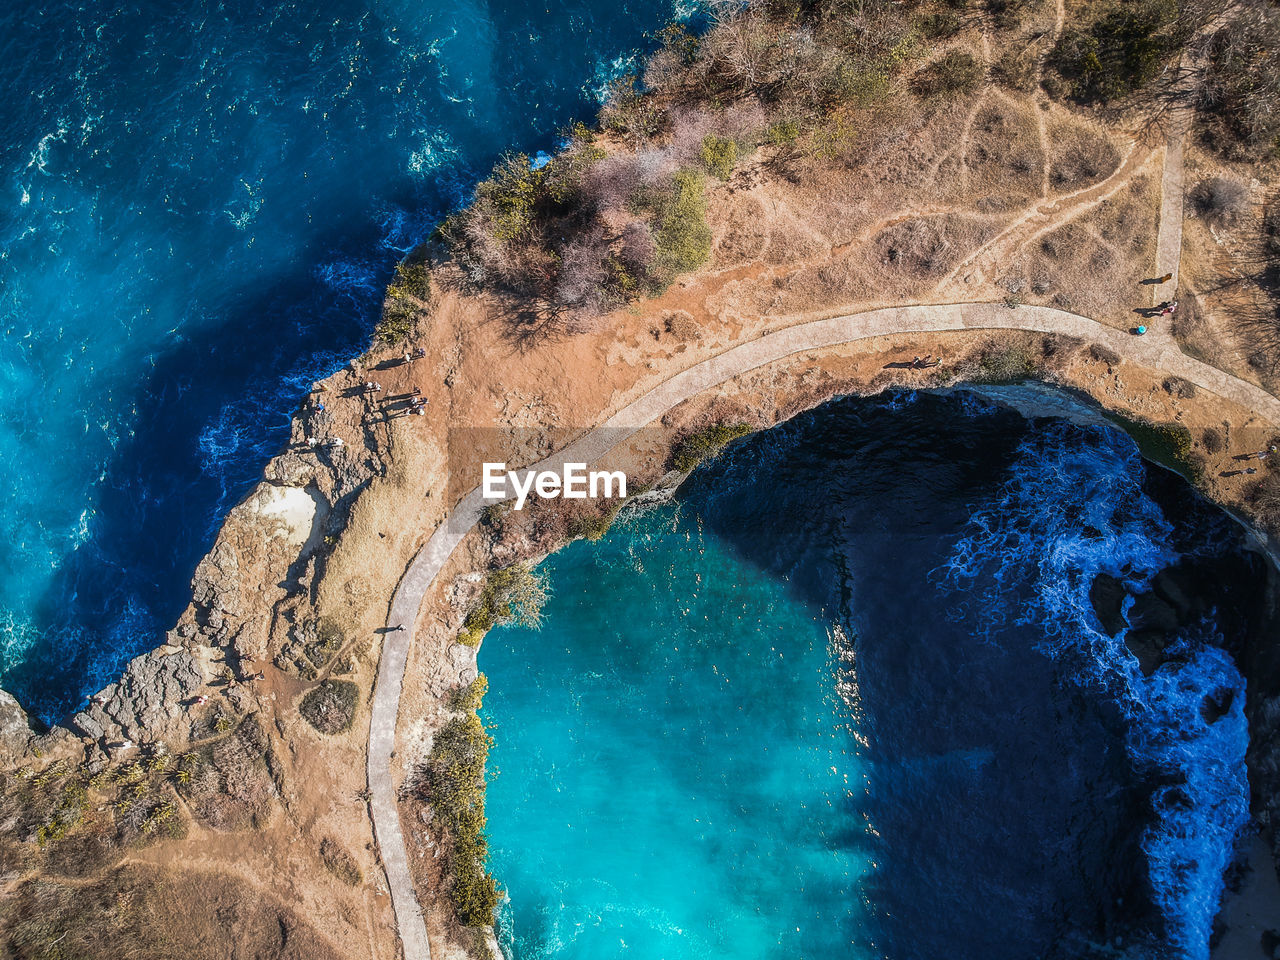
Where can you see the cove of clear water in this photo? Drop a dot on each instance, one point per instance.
(200, 204)
(848, 697)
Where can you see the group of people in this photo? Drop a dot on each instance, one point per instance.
(923, 363)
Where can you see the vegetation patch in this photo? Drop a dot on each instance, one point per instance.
(1241, 90)
(957, 72)
(340, 863)
(1122, 51)
(452, 782)
(1168, 444)
(705, 443)
(331, 707)
(514, 594)
(719, 155)
(468, 697)
(228, 784)
(140, 913)
(681, 233)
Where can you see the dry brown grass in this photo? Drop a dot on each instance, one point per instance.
(231, 787)
(1080, 155)
(1093, 265)
(140, 913)
(1003, 160)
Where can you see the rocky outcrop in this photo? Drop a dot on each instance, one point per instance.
(15, 729)
(149, 702)
(257, 561)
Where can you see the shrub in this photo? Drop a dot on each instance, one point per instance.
(957, 72)
(331, 707)
(469, 697)
(1213, 440)
(782, 132)
(1121, 52)
(1016, 69)
(1005, 363)
(340, 863)
(705, 443)
(682, 238)
(628, 111)
(1104, 355)
(412, 279)
(592, 525)
(514, 594)
(1177, 387)
(452, 781)
(396, 322)
(718, 155)
(939, 24)
(1220, 201)
(327, 640)
(1242, 83)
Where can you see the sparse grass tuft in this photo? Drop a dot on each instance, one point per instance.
(340, 863)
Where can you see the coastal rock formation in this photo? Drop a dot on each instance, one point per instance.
(15, 730)
(147, 702)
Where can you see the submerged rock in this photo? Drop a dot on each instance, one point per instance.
(1107, 594)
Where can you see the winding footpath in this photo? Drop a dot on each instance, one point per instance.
(1158, 353)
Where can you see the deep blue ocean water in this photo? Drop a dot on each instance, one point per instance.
(200, 204)
(848, 696)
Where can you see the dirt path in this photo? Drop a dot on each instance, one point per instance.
(1156, 353)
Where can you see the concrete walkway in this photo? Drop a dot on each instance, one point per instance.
(1157, 353)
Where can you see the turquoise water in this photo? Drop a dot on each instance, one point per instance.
(200, 204)
(810, 710)
(672, 782)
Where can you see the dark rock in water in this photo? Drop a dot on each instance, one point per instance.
(1151, 612)
(1091, 533)
(1148, 646)
(1176, 586)
(1107, 596)
(1216, 705)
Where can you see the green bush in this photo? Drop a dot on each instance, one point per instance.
(514, 594)
(452, 781)
(696, 447)
(412, 279)
(957, 72)
(938, 25)
(468, 698)
(331, 707)
(681, 234)
(396, 322)
(1121, 52)
(782, 132)
(719, 155)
